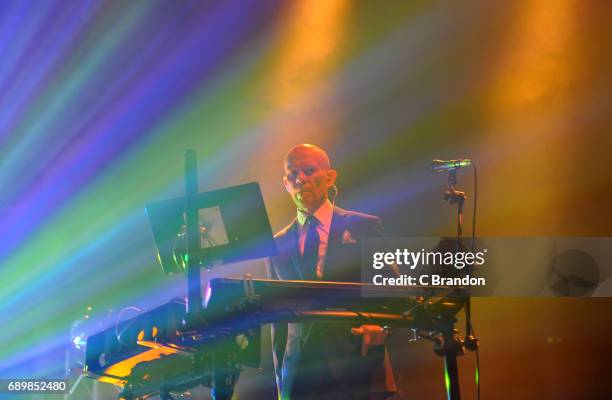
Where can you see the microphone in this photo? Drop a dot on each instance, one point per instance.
(334, 190)
(450, 165)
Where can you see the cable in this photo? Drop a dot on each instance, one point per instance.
(468, 313)
(477, 375)
(475, 206)
(468, 317)
(118, 334)
(334, 188)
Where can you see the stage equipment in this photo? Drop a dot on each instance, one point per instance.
(207, 230)
(206, 341)
(156, 356)
(233, 227)
(452, 344)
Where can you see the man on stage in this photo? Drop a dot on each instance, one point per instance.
(325, 361)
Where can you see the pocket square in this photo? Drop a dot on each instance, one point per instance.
(347, 238)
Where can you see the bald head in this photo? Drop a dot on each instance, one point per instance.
(315, 153)
(308, 176)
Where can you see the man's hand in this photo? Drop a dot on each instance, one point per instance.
(373, 335)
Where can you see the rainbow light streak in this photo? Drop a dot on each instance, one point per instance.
(24, 217)
(61, 256)
(14, 40)
(67, 266)
(83, 156)
(42, 60)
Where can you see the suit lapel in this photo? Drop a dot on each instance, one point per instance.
(336, 229)
(338, 225)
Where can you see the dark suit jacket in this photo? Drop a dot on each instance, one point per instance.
(325, 358)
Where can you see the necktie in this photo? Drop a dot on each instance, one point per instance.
(311, 249)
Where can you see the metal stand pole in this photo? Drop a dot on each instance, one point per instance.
(449, 345)
(453, 345)
(451, 372)
(194, 290)
(454, 196)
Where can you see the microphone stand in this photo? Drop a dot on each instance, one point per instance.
(451, 344)
(454, 196)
